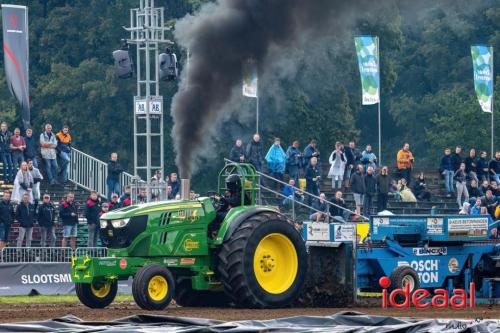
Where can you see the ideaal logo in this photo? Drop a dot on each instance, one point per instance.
(190, 245)
(440, 300)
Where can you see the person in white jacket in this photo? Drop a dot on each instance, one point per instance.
(337, 161)
(23, 184)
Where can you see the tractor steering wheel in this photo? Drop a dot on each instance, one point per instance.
(217, 199)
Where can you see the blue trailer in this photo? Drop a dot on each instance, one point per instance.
(431, 252)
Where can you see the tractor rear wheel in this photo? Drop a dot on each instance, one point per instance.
(186, 296)
(153, 287)
(263, 263)
(96, 297)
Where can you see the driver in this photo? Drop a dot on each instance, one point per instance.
(232, 198)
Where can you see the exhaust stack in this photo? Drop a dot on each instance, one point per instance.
(185, 188)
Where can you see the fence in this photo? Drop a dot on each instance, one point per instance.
(90, 173)
(10, 255)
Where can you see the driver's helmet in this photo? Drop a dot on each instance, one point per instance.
(233, 183)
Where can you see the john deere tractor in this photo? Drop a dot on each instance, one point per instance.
(217, 250)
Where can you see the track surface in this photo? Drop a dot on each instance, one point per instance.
(31, 312)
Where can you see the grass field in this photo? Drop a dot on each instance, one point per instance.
(52, 299)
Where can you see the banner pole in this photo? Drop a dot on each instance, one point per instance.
(379, 138)
(257, 115)
(492, 104)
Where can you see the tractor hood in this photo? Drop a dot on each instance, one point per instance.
(136, 210)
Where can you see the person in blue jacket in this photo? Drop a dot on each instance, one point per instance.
(276, 161)
(294, 161)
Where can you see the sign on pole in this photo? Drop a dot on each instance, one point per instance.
(155, 105)
(482, 63)
(368, 61)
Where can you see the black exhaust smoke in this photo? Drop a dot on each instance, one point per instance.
(221, 38)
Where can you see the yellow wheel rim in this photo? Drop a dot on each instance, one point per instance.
(101, 292)
(158, 288)
(275, 263)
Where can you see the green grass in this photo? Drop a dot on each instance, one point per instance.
(53, 299)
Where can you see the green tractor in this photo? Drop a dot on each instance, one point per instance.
(216, 250)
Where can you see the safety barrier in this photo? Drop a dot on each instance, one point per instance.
(90, 173)
(10, 255)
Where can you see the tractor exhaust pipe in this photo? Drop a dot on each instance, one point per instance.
(185, 188)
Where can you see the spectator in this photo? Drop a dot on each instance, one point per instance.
(313, 177)
(311, 151)
(169, 193)
(68, 213)
(26, 218)
(174, 183)
(158, 186)
(5, 154)
(337, 161)
(471, 165)
(494, 167)
(237, 153)
(494, 188)
(339, 207)
(114, 172)
(383, 189)
(114, 204)
(64, 150)
(358, 188)
(143, 196)
(45, 217)
(23, 184)
(17, 147)
(465, 209)
(104, 209)
(254, 153)
(7, 214)
(405, 192)
(368, 158)
(405, 163)
(48, 144)
(476, 209)
(485, 186)
(456, 159)
(320, 206)
(92, 210)
(420, 188)
(294, 160)
(482, 167)
(292, 193)
(474, 191)
(125, 199)
(276, 161)
(461, 183)
(30, 151)
(37, 178)
(370, 185)
(394, 190)
(446, 169)
(490, 202)
(352, 157)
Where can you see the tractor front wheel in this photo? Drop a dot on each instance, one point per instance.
(96, 296)
(153, 287)
(263, 263)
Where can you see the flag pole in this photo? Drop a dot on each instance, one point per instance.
(379, 121)
(257, 115)
(492, 104)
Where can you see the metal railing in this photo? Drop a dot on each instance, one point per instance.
(90, 173)
(295, 202)
(48, 254)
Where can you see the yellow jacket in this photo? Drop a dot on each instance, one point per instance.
(405, 159)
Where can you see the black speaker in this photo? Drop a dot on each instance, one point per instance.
(168, 66)
(123, 64)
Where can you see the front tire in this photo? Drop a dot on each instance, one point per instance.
(263, 263)
(153, 287)
(96, 297)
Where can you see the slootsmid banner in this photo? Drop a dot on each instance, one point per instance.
(250, 80)
(482, 63)
(16, 58)
(369, 70)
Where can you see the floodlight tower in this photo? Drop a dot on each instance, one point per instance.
(147, 31)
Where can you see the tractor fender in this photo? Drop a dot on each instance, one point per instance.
(245, 215)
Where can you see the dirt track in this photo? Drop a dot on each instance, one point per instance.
(30, 312)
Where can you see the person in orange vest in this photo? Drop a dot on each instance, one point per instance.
(405, 163)
(64, 151)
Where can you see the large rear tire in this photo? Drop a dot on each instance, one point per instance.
(264, 262)
(153, 287)
(96, 297)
